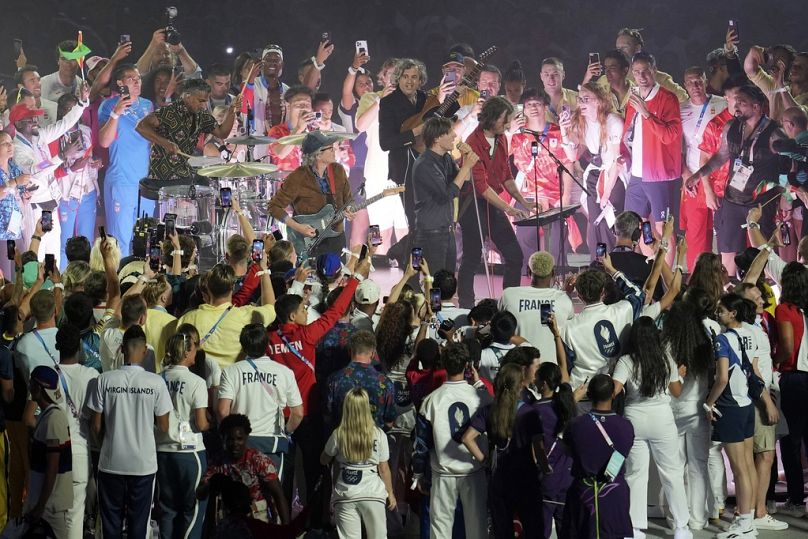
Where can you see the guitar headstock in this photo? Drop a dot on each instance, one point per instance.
(488, 52)
(393, 191)
(473, 67)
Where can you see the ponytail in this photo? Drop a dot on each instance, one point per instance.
(564, 406)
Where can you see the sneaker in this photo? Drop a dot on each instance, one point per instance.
(792, 510)
(771, 507)
(638, 534)
(768, 523)
(682, 533)
(736, 532)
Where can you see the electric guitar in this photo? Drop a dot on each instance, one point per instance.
(433, 108)
(324, 221)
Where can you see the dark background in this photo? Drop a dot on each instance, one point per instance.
(679, 33)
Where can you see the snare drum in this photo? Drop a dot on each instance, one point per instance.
(177, 199)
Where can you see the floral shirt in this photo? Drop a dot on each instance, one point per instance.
(180, 125)
(253, 469)
(379, 387)
(9, 203)
(333, 352)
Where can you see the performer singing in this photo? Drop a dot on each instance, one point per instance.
(175, 129)
(316, 182)
(491, 176)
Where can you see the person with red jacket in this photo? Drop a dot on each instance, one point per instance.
(652, 143)
(292, 343)
(492, 179)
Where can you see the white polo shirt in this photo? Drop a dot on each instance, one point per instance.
(31, 353)
(260, 395)
(188, 393)
(491, 358)
(130, 398)
(525, 302)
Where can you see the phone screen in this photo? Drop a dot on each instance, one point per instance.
(600, 250)
(361, 47)
(545, 310)
(124, 38)
(417, 255)
(565, 111)
(257, 250)
(733, 25)
(434, 299)
(154, 258)
(102, 232)
(276, 232)
(450, 76)
(375, 234)
(50, 263)
(226, 195)
(11, 248)
(363, 254)
(594, 57)
(325, 37)
(47, 221)
(785, 235)
(170, 220)
(647, 234)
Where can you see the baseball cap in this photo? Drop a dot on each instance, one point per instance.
(541, 264)
(272, 48)
(367, 292)
(48, 379)
(21, 112)
(454, 58)
(316, 140)
(329, 264)
(93, 61)
(30, 273)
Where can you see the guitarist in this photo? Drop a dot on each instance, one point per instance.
(316, 182)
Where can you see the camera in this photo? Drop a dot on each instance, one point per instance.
(173, 37)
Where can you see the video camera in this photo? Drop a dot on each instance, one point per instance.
(173, 37)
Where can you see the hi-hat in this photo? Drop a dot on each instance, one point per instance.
(298, 138)
(237, 170)
(250, 140)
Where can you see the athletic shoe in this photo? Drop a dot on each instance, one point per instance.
(769, 523)
(771, 507)
(735, 532)
(682, 533)
(792, 509)
(638, 534)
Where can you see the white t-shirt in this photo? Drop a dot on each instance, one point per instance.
(636, 147)
(78, 378)
(694, 390)
(260, 395)
(130, 398)
(449, 410)
(214, 372)
(359, 481)
(624, 372)
(188, 393)
(53, 89)
(491, 357)
(31, 353)
(764, 353)
(112, 355)
(614, 132)
(524, 302)
(694, 119)
(737, 391)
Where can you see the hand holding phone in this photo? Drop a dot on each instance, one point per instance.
(257, 250)
(375, 235)
(170, 220)
(102, 232)
(434, 299)
(417, 255)
(124, 38)
(47, 221)
(50, 264)
(647, 233)
(565, 113)
(226, 197)
(600, 251)
(154, 258)
(361, 47)
(545, 310)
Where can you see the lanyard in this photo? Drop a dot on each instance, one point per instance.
(295, 351)
(602, 431)
(752, 140)
(25, 141)
(70, 402)
(701, 116)
(212, 330)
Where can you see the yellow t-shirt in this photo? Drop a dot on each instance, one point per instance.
(568, 97)
(158, 328)
(662, 78)
(765, 82)
(223, 344)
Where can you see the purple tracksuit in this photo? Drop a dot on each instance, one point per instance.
(590, 454)
(553, 486)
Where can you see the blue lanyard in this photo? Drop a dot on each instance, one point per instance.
(25, 141)
(70, 402)
(295, 351)
(701, 116)
(544, 133)
(204, 339)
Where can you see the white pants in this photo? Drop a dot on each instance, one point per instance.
(473, 493)
(718, 477)
(655, 434)
(81, 473)
(694, 445)
(350, 516)
(51, 241)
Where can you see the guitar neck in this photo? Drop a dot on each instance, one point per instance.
(368, 201)
(470, 80)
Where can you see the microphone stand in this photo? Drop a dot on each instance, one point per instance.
(561, 169)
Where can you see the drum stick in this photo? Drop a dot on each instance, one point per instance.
(772, 200)
(185, 155)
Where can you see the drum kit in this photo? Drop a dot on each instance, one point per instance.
(198, 208)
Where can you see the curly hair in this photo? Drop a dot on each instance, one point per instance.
(393, 332)
(493, 109)
(685, 337)
(408, 63)
(795, 285)
(235, 421)
(651, 364)
(605, 107)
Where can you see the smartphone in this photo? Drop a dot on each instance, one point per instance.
(123, 90)
(520, 109)
(124, 38)
(545, 310)
(276, 232)
(257, 250)
(485, 94)
(565, 112)
(11, 248)
(434, 299)
(47, 221)
(733, 25)
(154, 258)
(325, 37)
(363, 254)
(594, 57)
(375, 234)
(600, 251)
(450, 76)
(318, 115)
(50, 264)
(226, 196)
(102, 232)
(785, 235)
(417, 256)
(361, 47)
(647, 233)
(170, 220)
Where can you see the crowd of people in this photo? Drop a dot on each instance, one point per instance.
(281, 391)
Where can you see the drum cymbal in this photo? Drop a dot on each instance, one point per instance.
(237, 170)
(250, 140)
(198, 161)
(297, 139)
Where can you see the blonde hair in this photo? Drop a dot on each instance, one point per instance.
(75, 274)
(357, 430)
(152, 291)
(177, 346)
(605, 107)
(97, 260)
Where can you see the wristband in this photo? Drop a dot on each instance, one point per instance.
(35, 237)
(352, 71)
(114, 115)
(428, 278)
(780, 90)
(262, 272)
(766, 247)
(752, 225)
(318, 67)
(664, 245)
(176, 252)
(679, 268)
(350, 253)
(60, 286)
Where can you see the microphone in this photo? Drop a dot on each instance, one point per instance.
(534, 148)
(530, 131)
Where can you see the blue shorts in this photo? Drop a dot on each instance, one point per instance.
(736, 424)
(654, 197)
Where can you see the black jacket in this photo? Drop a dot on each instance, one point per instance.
(393, 110)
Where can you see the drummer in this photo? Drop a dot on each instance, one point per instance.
(316, 182)
(217, 147)
(174, 130)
